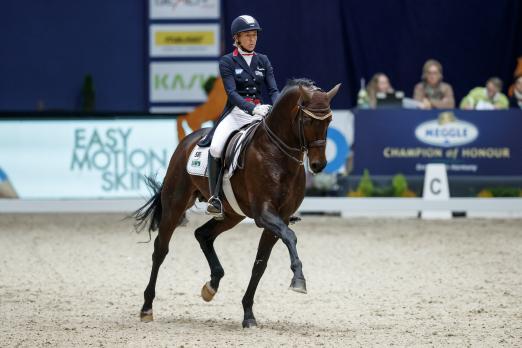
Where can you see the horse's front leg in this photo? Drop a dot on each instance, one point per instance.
(273, 222)
(266, 243)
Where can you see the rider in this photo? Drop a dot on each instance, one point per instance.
(244, 73)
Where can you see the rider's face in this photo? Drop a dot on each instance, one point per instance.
(248, 39)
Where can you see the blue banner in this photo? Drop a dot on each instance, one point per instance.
(488, 143)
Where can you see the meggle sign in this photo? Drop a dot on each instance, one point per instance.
(468, 142)
(180, 81)
(446, 131)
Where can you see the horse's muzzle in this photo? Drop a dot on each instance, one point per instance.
(317, 166)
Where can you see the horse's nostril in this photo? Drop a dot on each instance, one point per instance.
(317, 166)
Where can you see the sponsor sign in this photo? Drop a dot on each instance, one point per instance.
(184, 9)
(85, 159)
(468, 142)
(184, 40)
(446, 131)
(180, 81)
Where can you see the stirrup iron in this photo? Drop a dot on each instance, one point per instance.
(217, 215)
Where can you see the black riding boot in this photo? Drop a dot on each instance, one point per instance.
(215, 174)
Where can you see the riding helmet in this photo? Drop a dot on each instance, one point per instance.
(244, 23)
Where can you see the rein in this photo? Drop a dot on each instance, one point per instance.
(303, 145)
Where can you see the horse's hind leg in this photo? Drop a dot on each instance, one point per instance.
(172, 214)
(206, 235)
(266, 243)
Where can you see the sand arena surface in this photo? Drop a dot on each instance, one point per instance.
(78, 280)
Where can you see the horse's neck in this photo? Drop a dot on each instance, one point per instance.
(281, 122)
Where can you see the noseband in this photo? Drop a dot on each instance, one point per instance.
(304, 146)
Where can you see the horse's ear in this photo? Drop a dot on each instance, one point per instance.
(306, 95)
(333, 92)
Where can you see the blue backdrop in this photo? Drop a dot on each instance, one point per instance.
(48, 46)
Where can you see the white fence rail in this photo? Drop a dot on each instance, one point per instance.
(345, 207)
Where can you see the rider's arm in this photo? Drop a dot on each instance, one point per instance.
(226, 70)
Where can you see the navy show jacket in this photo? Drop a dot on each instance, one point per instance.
(244, 84)
(243, 81)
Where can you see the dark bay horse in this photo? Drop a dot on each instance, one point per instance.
(269, 189)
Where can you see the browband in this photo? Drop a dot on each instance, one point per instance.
(311, 114)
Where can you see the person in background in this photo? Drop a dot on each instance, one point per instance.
(432, 92)
(516, 99)
(380, 83)
(486, 98)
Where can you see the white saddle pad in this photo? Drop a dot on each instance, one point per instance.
(198, 159)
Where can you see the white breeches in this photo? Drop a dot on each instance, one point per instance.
(236, 119)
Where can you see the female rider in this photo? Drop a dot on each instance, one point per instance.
(245, 73)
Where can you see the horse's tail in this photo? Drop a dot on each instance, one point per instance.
(150, 210)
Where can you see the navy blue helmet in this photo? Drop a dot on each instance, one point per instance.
(244, 23)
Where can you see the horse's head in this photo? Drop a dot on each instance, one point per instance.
(313, 119)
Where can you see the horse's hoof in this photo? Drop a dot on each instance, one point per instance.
(248, 323)
(207, 293)
(146, 316)
(298, 285)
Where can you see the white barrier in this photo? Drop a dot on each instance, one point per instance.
(345, 207)
(410, 207)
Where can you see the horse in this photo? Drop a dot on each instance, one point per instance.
(269, 188)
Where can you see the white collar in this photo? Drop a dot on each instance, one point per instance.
(245, 52)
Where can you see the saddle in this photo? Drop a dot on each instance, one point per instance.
(237, 144)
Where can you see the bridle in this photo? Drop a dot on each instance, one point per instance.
(304, 146)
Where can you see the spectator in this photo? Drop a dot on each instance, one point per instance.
(431, 92)
(486, 98)
(380, 83)
(516, 99)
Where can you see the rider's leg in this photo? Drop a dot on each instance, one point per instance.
(215, 172)
(236, 119)
(215, 164)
